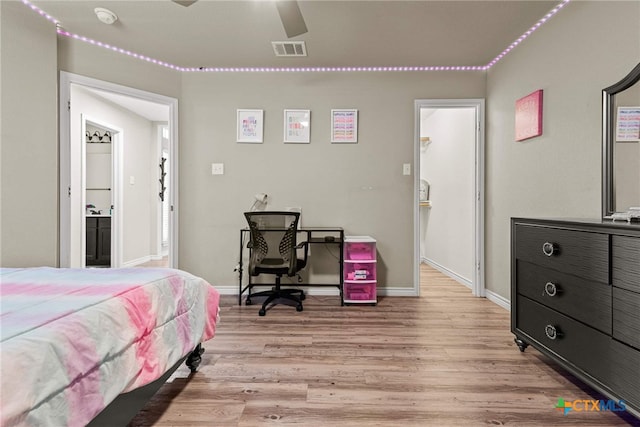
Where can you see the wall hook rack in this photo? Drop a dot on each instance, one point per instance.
(161, 180)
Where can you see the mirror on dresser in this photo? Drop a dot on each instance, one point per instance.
(621, 148)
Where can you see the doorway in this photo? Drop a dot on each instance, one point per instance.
(101, 191)
(143, 130)
(449, 190)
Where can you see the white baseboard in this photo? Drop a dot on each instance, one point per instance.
(142, 260)
(227, 290)
(309, 290)
(392, 292)
(397, 292)
(330, 291)
(491, 296)
(444, 270)
(498, 299)
(137, 261)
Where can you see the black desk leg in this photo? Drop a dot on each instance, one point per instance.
(240, 272)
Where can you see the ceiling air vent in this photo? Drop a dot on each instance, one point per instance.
(289, 48)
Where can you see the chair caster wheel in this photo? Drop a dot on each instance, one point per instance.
(299, 307)
(248, 302)
(262, 312)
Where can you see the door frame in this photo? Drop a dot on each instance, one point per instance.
(71, 175)
(116, 189)
(478, 104)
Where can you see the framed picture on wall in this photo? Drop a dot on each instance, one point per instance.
(529, 116)
(297, 126)
(344, 126)
(249, 126)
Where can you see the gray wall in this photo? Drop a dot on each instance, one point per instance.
(571, 58)
(91, 61)
(357, 186)
(29, 138)
(586, 47)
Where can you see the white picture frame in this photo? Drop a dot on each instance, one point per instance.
(249, 126)
(297, 126)
(344, 126)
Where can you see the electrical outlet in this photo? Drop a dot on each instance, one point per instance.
(217, 168)
(406, 169)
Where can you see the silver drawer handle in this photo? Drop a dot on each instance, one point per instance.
(551, 332)
(550, 289)
(549, 248)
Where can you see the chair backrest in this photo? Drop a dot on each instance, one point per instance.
(273, 238)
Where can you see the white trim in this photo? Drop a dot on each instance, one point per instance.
(142, 260)
(477, 285)
(173, 184)
(117, 235)
(66, 80)
(137, 261)
(406, 291)
(65, 171)
(490, 295)
(462, 280)
(498, 299)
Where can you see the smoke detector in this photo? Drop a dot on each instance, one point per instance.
(105, 15)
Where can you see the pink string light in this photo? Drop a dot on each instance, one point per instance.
(527, 33)
(486, 67)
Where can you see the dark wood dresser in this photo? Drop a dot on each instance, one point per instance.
(575, 296)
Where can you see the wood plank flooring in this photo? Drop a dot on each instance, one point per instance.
(444, 359)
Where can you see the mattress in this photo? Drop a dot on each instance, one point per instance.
(72, 340)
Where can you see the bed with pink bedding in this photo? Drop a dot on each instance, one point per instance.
(72, 340)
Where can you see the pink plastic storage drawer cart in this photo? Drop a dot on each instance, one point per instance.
(360, 276)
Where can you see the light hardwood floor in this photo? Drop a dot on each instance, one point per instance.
(444, 359)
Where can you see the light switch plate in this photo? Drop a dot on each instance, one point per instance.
(217, 168)
(406, 169)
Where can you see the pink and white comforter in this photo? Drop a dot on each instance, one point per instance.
(73, 339)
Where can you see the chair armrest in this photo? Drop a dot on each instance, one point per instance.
(304, 245)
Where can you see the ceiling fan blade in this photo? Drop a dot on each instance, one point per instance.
(184, 3)
(291, 17)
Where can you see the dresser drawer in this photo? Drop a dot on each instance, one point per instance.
(625, 262)
(626, 317)
(578, 344)
(625, 372)
(579, 253)
(581, 299)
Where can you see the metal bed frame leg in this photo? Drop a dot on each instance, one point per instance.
(194, 358)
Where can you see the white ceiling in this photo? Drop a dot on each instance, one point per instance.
(238, 33)
(351, 33)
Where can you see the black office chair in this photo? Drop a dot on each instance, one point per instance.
(273, 250)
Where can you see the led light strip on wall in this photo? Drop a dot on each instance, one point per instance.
(512, 46)
(528, 33)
